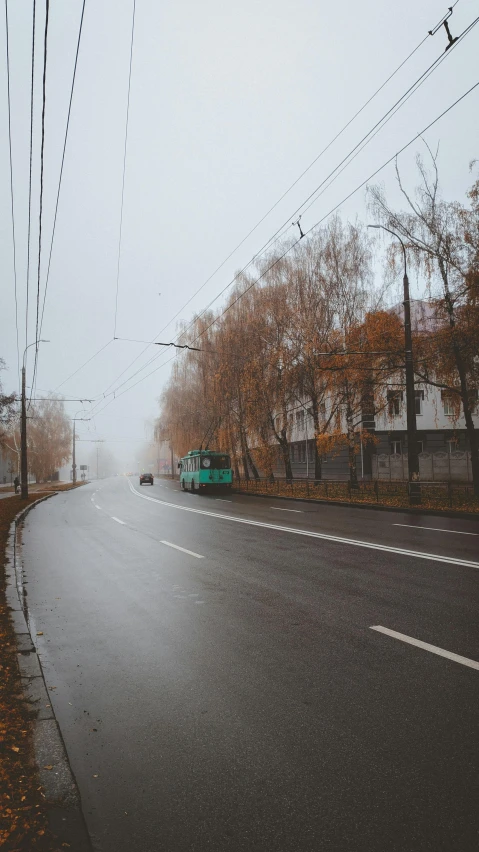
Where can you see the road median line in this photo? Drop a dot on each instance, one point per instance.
(425, 646)
(183, 549)
(433, 557)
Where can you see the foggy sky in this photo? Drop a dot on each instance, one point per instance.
(229, 104)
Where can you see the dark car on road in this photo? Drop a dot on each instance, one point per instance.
(146, 477)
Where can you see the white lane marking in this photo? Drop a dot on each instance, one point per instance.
(426, 647)
(222, 500)
(97, 506)
(176, 546)
(279, 509)
(449, 560)
(434, 529)
(118, 520)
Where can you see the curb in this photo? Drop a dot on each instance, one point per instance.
(471, 516)
(65, 816)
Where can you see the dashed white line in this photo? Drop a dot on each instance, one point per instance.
(222, 500)
(279, 509)
(399, 551)
(118, 520)
(97, 506)
(433, 529)
(183, 549)
(433, 649)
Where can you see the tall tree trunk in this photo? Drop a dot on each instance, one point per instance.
(318, 460)
(284, 444)
(353, 474)
(234, 455)
(251, 462)
(244, 454)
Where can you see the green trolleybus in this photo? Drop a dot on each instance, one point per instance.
(205, 470)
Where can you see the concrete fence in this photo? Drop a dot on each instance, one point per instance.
(433, 467)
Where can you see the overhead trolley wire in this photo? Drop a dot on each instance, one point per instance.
(377, 127)
(311, 198)
(40, 217)
(330, 177)
(124, 164)
(306, 170)
(262, 219)
(316, 225)
(122, 188)
(7, 42)
(30, 171)
(80, 30)
(83, 365)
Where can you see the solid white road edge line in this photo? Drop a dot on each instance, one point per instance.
(426, 647)
(433, 529)
(118, 520)
(279, 509)
(222, 500)
(449, 560)
(183, 549)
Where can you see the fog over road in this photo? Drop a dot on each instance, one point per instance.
(219, 686)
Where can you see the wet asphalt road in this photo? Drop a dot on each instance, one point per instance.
(241, 701)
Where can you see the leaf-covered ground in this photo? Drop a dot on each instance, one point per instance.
(23, 818)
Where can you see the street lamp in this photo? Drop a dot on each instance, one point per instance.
(412, 452)
(74, 467)
(23, 444)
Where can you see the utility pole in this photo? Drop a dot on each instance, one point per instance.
(24, 460)
(23, 437)
(171, 454)
(74, 467)
(412, 453)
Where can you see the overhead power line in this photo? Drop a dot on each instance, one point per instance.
(124, 164)
(331, 177)
(67, 127)
(316, 225)
(273, 207)
(11, 183)
(83, 365)
(40, 216)
(30, 170)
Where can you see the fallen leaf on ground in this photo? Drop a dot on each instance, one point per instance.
(49, 766)
(40, 633)
(15, 748)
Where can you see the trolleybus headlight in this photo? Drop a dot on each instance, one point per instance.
(206, 462)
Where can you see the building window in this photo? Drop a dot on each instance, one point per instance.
(420, 446)
(300, 418)
(394, 403)
(322, 409)
(419, 394)
(452, 445)
(395, 448)
(449, 404)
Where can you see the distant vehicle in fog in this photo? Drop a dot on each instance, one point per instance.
(146, 477)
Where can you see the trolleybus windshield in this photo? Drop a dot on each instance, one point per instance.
(217, 462)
